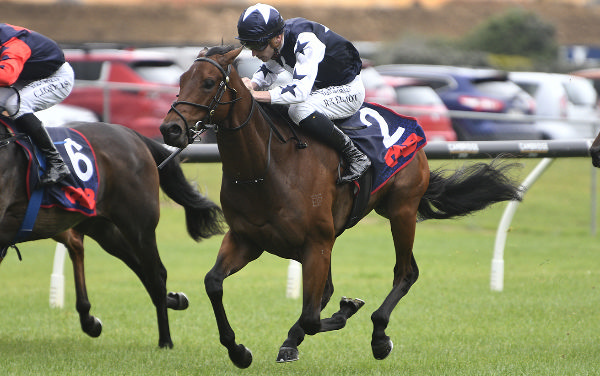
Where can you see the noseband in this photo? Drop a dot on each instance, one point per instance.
(207, 121)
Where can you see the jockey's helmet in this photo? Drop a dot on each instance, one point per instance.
(257, 25)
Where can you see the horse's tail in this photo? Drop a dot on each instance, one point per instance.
(467, 190)
(204, 218)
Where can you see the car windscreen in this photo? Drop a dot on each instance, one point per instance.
(158, 72)
(417, 96)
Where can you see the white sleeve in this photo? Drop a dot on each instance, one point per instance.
(267, 73)
(309, 51)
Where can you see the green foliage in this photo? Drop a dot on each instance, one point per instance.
(413, 49)
(515, 32)
(514, 40)
(543, 323)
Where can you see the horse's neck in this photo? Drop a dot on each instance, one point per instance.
(249, 153)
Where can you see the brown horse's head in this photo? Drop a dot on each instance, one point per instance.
(205, 96)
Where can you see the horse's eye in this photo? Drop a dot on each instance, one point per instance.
(208, 83)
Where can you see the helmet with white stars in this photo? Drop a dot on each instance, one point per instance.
(257, 25)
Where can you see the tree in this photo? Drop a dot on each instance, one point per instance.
(515, 32)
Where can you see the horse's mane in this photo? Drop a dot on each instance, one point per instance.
(219, 50)
(270, 110)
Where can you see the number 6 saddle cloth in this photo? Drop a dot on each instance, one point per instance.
(76, 192)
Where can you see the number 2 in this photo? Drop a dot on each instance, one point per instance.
(388, 140)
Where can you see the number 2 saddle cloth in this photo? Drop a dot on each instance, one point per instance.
(390, 140)
(76, 192)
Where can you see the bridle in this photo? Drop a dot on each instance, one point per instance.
(207, 122)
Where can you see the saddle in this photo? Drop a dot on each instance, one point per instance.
(388, 139)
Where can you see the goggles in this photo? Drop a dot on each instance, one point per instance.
(255, 45)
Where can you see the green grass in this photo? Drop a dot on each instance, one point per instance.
(545, 322)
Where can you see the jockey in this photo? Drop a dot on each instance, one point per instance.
(34, 76)
(326, 81)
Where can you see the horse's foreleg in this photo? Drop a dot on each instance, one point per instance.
(73, 241)
(406, 273)
(315, 272)
(233, 256)
(288, 351)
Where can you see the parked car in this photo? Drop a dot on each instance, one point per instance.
(562, 99)
(592, 74)
(412, 97)
(147, 83)
(377, 88)
(476, 90)
(61, 114)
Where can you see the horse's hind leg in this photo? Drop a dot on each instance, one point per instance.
(406, 273)
(288, 351)
(144, 261)
(113, 242)
(73, 241)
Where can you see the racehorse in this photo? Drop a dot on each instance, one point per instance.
(595, 151)
(282, 198)
(127, 211)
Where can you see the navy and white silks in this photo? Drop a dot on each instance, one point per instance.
(325, 68)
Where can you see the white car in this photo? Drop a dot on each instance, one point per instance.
(60, 114)
(561, 100)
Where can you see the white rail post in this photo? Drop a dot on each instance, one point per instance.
(57, 279)
(294, 280)
(497, 273)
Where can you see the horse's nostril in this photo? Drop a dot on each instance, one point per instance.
(171, 129)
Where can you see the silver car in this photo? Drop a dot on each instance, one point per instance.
(566, 104)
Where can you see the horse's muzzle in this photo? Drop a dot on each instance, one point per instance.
(173, 134)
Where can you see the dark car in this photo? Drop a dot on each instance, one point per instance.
(127, 87)
(413, 98)
(476, 90)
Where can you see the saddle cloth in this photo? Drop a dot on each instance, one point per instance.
(389, 139)
(76, 192)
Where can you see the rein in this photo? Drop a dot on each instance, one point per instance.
(206, 122)
(216, 101)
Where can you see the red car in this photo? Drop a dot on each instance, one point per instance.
(413, 98)
(139, 86)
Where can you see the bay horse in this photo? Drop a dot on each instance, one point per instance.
(127, 211)
(281, 198)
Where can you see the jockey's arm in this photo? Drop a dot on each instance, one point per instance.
(14, 54)
(260, 96)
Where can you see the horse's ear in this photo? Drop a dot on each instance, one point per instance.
(202, 52)
(230, 56)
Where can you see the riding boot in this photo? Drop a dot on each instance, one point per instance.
(56, 169)
(321, 127)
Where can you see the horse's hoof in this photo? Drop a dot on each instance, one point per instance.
(383, 349)
(287, 354)
(165, 344)
(241, 356)
(177, 301)
(92, 327)
(353, 303)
